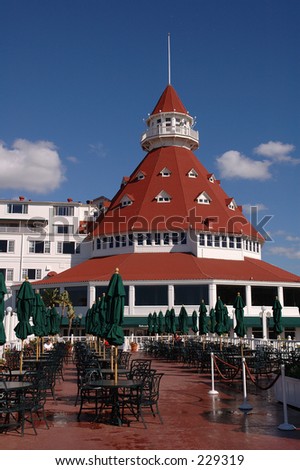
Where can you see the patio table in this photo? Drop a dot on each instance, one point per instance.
(115, 387)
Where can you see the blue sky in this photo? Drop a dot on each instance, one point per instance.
(78, 77)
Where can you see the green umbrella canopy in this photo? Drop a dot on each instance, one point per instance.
(88, 321)
(102, 312)
(239, 305)
(194, 321)
(160, 323)
(167, 322)
(226, 319)
(54, 322)
(150, 323)
(48, 321)
(155, 322)
(25, 303)
(203, 320)
(212, 316)
(219, 309)
(172, 321)
(38, 316)
(115, 296)
(183, 321)
(3, 291)
(277, 315)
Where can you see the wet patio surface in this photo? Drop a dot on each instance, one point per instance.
(193, 419)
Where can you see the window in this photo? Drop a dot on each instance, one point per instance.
(64, 210)
(64, 229)
(229, 293)
(7, 246)
(165, 172)
(224, 241)
(291, 296)
(148, 239)
(98, 244)
(201, 239)
(163, 197)
(183, 238)
(140, 238)
(78, 295)
(130, 239)
(190, 294)
(157, 238)
(36, 246)
(263, 295)
(104, 243)
(238, 242)
(32, 273)
(117, 241)
(17, 208)
(192, 173)
(151, 295)
(166, 238)
(209, 240)
(217, 240)
(175, 238)
(123, 240)
(66, 248)
(231, 242)
(203, 198)
(8, 273)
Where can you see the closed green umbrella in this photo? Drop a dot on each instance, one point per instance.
(3, 291)
(213, 323)
(102, 309)
(54, 322)
(183, 321)
(239, 304)
(155, 323)
(172, 321)
(88, 321)
(150, 324)
(167, 322)
(226, 319)
(195, 321)
(38, 318)
(160, 323)
(115, 298)
(203, 327)
(219, 309)
(277, 315)
(25, 303)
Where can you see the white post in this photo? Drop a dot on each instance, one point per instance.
(245, 406)
(212, 391)
(285, 426)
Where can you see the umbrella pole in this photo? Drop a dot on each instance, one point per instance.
(116, 364)
(37, 348)
(21, 356)
(111, 358)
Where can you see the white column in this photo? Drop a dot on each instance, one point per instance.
(280, 295)
(171, 296)
(212, 295)
(248, 300)
(131, 300)
(91, 295)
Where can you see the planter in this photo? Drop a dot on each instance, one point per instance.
(134, 347)
(292, 391)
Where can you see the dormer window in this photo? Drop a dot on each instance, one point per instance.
(192, 173)
(211, 178)
(231, 204)
(165, 172)
(140, 176)
(203, 198)
(163, 196)
(126, 200)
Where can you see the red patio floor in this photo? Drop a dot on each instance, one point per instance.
(193, 419)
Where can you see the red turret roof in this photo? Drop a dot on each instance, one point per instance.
(183, 211)
(169, 102)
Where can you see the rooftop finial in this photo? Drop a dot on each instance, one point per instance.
(169, 59)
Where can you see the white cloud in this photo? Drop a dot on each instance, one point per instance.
(288, 252)
(247, 208)
(33, 166)
(72, 159)
(277, 151)
(98, 149)
(233, 164)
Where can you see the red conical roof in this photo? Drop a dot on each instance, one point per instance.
(169, 102)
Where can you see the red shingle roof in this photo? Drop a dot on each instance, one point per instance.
(169, 102)
(171, 266)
